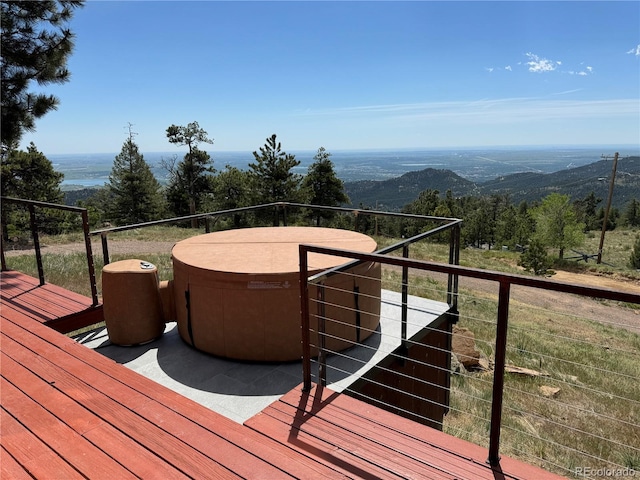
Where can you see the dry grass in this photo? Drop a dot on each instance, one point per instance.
(593, 419)
(616, 253)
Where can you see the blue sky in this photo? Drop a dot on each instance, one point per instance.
(349, 75)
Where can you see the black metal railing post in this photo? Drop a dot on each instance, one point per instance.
(322, 337)
(405, 299)
(498, 373)
(452, 278)
(36, 241)
(89, 250)
(304, 313)
(105, 248)
(2, 257)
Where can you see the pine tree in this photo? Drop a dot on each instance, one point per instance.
(632, 213)
(535, 259)
(35, 46)
(29, 175)
(634, 260)
(135, 192)
(586, 211)
(323, 185)
(231, 189)
(191, 178)
(273, 178)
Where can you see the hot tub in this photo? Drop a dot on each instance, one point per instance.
(237, 292)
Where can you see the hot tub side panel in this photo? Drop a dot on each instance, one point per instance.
(351, 307)
(240, 316)
(257, 317)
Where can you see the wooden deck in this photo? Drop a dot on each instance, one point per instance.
(51, 305)
(363, 441)
(69, 412)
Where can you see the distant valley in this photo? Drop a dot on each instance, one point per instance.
(391, 179)
(578, 182)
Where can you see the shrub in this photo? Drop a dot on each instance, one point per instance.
(535, 258)
(634, 261)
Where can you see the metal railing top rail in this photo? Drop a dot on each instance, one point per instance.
(38, 203)
(165, 221)
(217, 213)
(385, 250)
(371, 212)
(501, 277)
(31, 204)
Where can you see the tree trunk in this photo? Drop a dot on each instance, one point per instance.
(192, 211)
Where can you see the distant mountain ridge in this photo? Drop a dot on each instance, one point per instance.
(577, 182)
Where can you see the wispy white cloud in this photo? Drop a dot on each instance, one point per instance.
(517, 109)
(582, 73)
(635, 51)
(485, 121)
(537, 64)
(492, 69)
(567, 92)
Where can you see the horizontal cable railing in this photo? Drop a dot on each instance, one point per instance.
(553, 382)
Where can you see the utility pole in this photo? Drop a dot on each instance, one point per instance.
(606, 212)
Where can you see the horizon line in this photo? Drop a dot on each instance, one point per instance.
(393, 149)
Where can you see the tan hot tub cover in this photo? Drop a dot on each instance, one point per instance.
(237, 292)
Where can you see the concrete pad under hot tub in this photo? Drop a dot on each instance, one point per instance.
(237, 293)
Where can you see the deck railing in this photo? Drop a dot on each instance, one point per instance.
(510, 333)
(281, 210)
(31, 206)
(503, 330)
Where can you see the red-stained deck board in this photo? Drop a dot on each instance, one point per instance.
(70, 405)
(345, 447)
(325, 425)
(133, 391)
(71, 446)
(104, 436)
(69, 412)
(31, 453)
(48, 304)
(173, 438)
(10, 468)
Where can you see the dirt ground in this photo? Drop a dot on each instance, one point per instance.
(570, 304)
